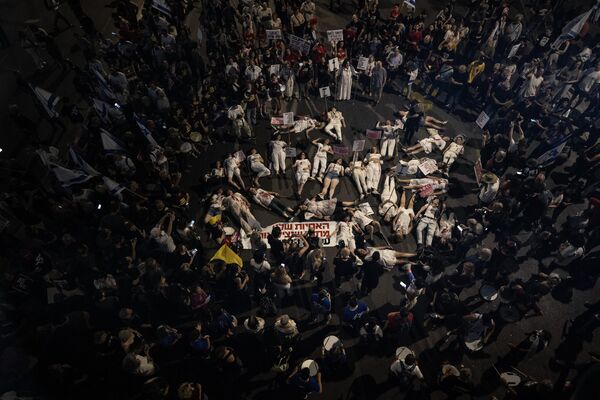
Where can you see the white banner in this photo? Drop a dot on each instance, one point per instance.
(335, 35)
(323, 230)
(273, 34)
(363, 63)
(299, 44)
(482, 119)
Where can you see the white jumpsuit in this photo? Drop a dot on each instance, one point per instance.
(389, 199)
(428, 142)
(373, 161)
(359, 173)
(257, 166)
(320, 160)
(344, 232)
(232, 167)
(335, 123)
(452, 153)
(278, 155)
(302, 171)
(388, 142)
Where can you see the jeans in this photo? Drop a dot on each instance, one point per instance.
(251, 114)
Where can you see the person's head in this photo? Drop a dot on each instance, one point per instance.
(353, 302)
(376, 256)
(327, 141)
(252, 190)
(304, 374)
(345, 253)
(253, 151)
(374, 149)
(301, 156)
(276, 232)
(435, 202)
(338, 161)
(410, 360)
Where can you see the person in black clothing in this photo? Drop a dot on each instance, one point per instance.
(344, 266)
(278, 248)
(414, 120)
(371, 271)
(458, 85)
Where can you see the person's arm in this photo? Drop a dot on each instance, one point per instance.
(319, 382)
(489, 332)
(292, 374)
(421, 211)
(170, 226)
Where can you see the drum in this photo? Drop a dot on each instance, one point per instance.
(402, 352)
(196, 137)
(312, 366)
(450, 370)
(474, 345)
(330, 342)
(509, 313)
(510, 378)
(488, 293)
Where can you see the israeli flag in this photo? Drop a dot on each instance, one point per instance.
(81, 163)
(113, 187)
(49, 101)
(551, 154)
(103, 86)
(102, 109)
(68, 177)
(163, 7)
(111, 144)
(145, 131)
(574, 27)
(411, 3)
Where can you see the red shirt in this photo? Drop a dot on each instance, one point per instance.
(341, 54)
(318, 53)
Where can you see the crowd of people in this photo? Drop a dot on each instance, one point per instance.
(128, 276)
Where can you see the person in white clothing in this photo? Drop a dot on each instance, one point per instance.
(232, 168)
(403, 222)
(532, 83)
(427, 144)
(257, 165)
(345, 232)
(278, 155)
(427, 225)
(239, 207)
(270, 201)
(373, 161)
(405, 368)
(320, 160)
(302, 168)
(335, 121)
(490, 184)
(389, 198)
(323, 209)
(366, 223)
(388, 257)
(344, 81)
(453, 151)
(583, 90)
(359, 174)
(389, 137)
(332, 177)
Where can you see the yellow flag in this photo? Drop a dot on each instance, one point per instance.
(228, 256)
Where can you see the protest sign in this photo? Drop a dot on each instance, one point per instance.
(513, 50)
(288, 118)
(482, 119)
(366, 209)
(334, 64)
(341, 150)
(373, 134)
(358, 145)
(477, 168)
(276, 121)
(363, 63)
(325, 231)
(290, 152)
(428, 167)
(299, 44)
(324, 91)
(335, 35)
(273, 34)
(240, 156)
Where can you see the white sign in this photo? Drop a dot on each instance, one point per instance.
(428, 167)
(288, 118)
(482, 119)
(411, 3)
(325, 231)
(366, 209)
(274, 69)
(335, 35)
(358, 145)
(162, 6)
(513, 50)
(273, 34)
(334, 64)
(299, 44)
(363, 63)
(290, 152)
(324, 91)
(240, 156)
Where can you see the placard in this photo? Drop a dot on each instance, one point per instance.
(299, 44)
(273, 34)
(274, 69)
(324, 91)
(341, 150)
(276, 121)
(363, 63)
(288, 118)
(373, 134)
(513, 50)
(358, 145)
(334, 64)
(335, 35)
(366, 209)
(325, 231)
(428, 167)
(477, 168)
(482, 119)
(240, 156)
(290, 152)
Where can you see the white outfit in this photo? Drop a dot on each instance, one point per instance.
(344, 232)
(361, 219)
(335, 123)
(531, 86)
(452, 153)
(402, 221)
(387, 257)
(302, 171)
(398, 368)
(427, 143)
(488, 192)
(325, 208)
(232, 167)
(388, 141)
(236, 204)
(320, 160)
(345, 83)
(373, 170)
(257, 166)
(359, 174)
(427, 223)
(278, 155)
(389, 199)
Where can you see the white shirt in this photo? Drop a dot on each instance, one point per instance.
(361, 219)
(589, 80)
(322, 150)
(278, 145)
(302, 165)
(532, 85)
(253, 72)
(488, 192)
(398, 367)
(263, 197)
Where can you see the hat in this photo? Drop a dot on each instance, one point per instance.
(254, 324)
(488, 177)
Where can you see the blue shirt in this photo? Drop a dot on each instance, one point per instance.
(310, 386)
(322, 304)
(354, 315)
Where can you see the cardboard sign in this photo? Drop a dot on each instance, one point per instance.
(335, 35)
(428, 167)
(363, 63)
(273, 34)
(290, 152)
(288, 118)
(513, 50)
(274, 69)
(324, 91)
(358, 145)
(341, 150)
(366, 209)
(373, 134)
(482, 119)
(334, 64)
(325, 231)
(299, 44)
(477, 168)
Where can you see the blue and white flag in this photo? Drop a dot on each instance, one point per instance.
(103, 86)
(68, 177)
(411, 3)
(574, 27)
(113, 187)
(163, 7)
(111, 144)
(49, 101)
(102, 109)
(81, 163)
(145, 131)
(551, 154)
